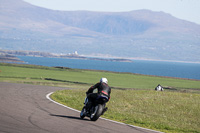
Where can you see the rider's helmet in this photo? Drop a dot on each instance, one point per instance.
(104, 80)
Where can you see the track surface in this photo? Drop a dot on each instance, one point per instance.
(25, 109)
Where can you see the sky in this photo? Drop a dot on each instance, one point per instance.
(183, 9)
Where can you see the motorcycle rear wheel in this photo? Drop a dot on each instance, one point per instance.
(82, 114)
(97, 112)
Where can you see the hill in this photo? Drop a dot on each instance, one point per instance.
(139, 34)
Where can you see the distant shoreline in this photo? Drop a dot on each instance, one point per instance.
(15, 53)
(9, 58)
(141, 59)
(165, 60)
(10, 55)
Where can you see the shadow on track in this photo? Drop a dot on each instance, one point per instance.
(70, 117)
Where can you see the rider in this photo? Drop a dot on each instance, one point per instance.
(103, 89)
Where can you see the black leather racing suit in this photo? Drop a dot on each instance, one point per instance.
(103, 89)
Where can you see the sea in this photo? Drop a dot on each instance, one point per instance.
(146, 67)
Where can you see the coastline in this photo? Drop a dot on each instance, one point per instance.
(165, 60)
(9, 58)
(11, 55)
(84, 56)
(136, 66)
(140, 59)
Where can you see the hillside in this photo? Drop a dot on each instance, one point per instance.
(140, 34)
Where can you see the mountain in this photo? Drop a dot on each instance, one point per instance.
(140, 34)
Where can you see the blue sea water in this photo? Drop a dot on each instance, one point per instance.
(158, 68)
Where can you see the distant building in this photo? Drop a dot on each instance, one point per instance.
(76, 53)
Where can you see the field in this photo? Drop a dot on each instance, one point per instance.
(133, 99)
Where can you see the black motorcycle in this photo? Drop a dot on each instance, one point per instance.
(97, 109)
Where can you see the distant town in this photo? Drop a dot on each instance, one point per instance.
(11, 56)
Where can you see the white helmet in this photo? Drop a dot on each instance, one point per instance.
(104, 80)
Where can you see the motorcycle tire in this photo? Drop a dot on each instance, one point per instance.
(97, 112)
(82, 114)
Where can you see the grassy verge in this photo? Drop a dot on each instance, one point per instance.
(133, 99)
(164, 111)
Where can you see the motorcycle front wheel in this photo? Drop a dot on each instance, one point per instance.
(82, 114)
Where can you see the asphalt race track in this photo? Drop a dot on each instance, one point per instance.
(25, 109)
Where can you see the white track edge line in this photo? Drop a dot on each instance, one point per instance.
(48, 97)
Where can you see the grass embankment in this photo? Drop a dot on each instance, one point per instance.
(133, 99)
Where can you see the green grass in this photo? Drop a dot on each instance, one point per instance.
(39, 75)
(133, 99)
(164, 111)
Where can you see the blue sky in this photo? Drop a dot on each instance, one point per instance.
(183, 9)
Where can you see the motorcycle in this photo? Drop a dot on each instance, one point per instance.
(97, 109)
